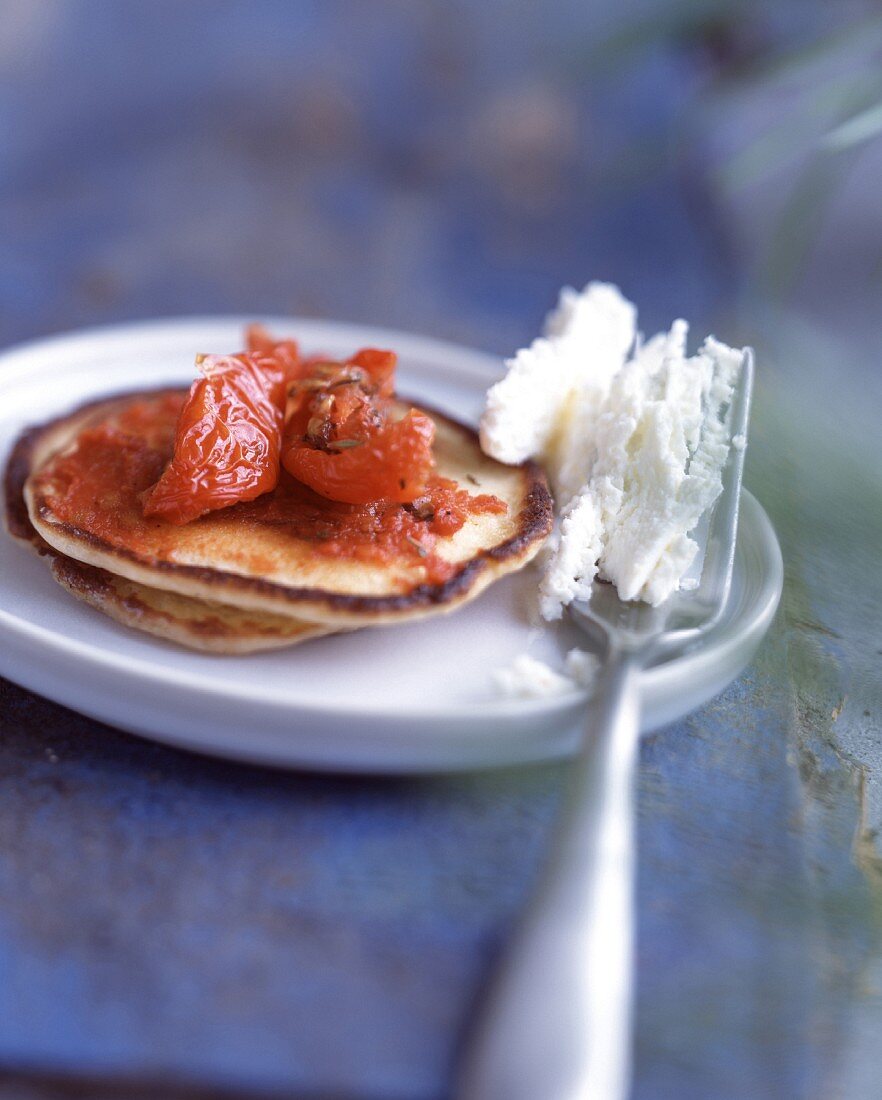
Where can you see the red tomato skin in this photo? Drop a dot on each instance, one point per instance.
(394, 464)
(380, 365)
(227, 442)
(285, 352)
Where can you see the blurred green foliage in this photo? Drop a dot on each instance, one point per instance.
(814, 75)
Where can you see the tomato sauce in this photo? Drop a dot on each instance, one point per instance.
(100, 484)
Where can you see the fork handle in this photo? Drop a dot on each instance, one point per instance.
(557, 1020)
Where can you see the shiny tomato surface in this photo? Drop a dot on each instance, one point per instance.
(380, 367)
(285, 352)
(98, 486)
(228, 438)
(335, 428)
(393, 463)
(343, 441)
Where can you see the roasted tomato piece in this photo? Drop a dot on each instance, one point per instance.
(285, 352)
(394, 463)
(380, 368)
(228, 438)
(342, 441)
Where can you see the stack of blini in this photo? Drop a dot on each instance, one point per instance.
(242, 578)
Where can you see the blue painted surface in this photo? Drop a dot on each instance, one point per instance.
(444, 170)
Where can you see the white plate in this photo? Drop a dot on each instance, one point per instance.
(399, 699)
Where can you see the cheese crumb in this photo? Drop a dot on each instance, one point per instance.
(634, 436)
(528, 678)
(582, 667)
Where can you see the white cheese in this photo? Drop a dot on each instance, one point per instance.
(571, 562)
(586, 340)
(528, 678)
(582, 667)
(634, 443)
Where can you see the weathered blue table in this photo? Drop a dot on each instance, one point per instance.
(176, 926)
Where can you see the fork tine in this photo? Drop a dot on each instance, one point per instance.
(719, 557)
(687, 613)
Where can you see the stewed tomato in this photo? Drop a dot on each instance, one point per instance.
(393, 463)
(345, 437)
(228, 436)
(285, 352)
(343, 440)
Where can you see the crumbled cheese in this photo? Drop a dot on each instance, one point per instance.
(571, 560)
(586, 340)
(634, 436)
(582, 667)
(528, 678)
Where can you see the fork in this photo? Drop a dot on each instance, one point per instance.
(556, 1021)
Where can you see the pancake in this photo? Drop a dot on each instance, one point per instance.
(255, 556)
(197, 624)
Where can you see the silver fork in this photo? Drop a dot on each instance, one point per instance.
(556, 1023)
